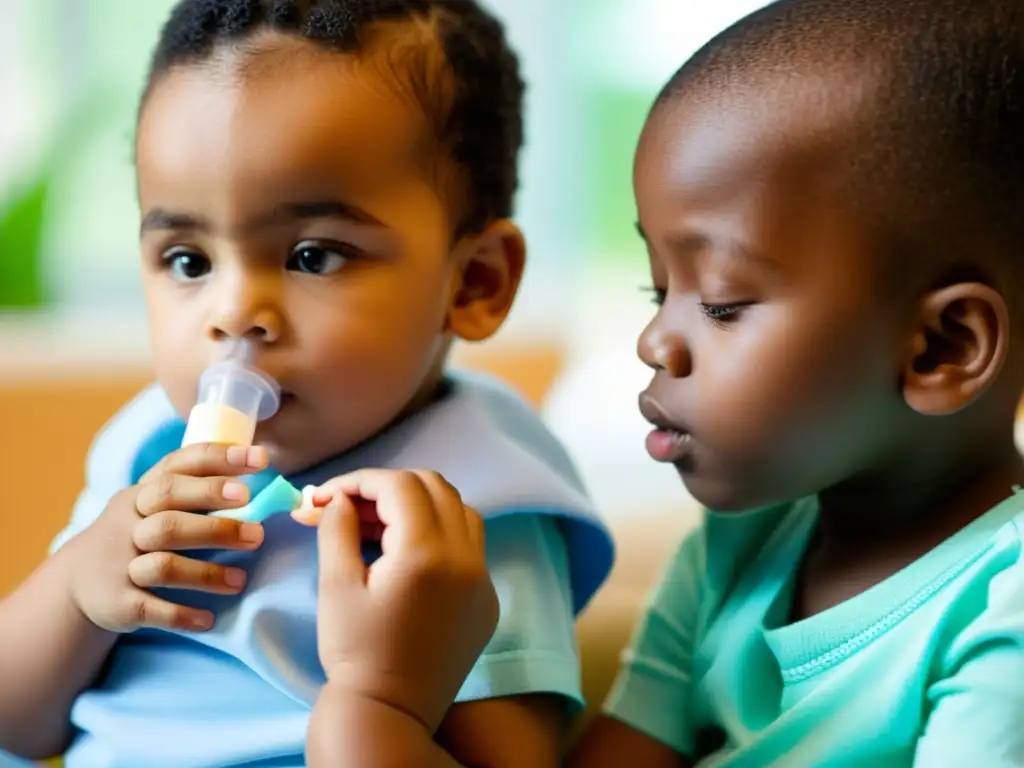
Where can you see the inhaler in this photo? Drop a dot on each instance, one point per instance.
(233, 397)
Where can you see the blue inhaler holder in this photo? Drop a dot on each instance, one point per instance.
(278, 497)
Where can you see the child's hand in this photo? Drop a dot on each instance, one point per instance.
(407, 630)
(132, 547)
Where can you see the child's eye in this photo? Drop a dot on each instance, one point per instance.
(657, 294)
(186, 266)
(723, 313)
(318, 258)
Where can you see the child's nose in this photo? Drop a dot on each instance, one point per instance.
(248, 311)
(663, 350)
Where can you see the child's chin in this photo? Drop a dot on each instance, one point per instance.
(719, 494)
(290, 449)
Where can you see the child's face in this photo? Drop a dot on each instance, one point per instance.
(287, 203)
(774, 354)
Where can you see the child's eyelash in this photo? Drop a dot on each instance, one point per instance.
(720, 311)
(657, 294)
(723, 315)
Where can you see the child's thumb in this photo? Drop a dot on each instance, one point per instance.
(340, 546)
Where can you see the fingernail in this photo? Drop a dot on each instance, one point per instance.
(238, 455)
(253, 457)
(234, 578)
(250, 533)
(202, 622)
(256, 457)
(234, 491)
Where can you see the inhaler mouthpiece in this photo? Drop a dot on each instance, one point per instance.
(233, 397)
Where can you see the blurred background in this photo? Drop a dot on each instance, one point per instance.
(72, 333)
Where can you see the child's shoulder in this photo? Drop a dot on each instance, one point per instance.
(987, 578)
(726, 549)
(486, 440)
(729, 549)
(501, 406)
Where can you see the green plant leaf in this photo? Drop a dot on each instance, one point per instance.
(23, 220)
(21, 234)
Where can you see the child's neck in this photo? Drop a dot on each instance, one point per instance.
(919, 496)
(868, 532)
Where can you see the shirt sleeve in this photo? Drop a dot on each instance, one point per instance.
(108, 467)
(976, 709)
(534, 648)
(652, 693)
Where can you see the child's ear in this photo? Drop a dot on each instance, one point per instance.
(489, 268)
(958, 348)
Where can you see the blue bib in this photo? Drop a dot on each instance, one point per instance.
(241, 694)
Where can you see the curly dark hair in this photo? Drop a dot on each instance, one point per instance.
(476, 117)
(938, 90)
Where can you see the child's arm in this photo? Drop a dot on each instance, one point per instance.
(976, 707)
(609, 743)
(526, 730)
(396, 639)
(368, 731)
(51, 652)
(362, 732)
(58, 628)
(515, 706)
(647, 721)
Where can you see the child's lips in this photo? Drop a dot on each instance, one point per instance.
(668, 446)
(669, 441)
(288, 400)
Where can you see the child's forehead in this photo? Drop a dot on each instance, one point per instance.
(297, 115)
(769, 171)
(755, 132)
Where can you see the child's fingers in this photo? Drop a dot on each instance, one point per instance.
(170, 571)
(310, 514)
(447, 505)
(476, 527)
(180, 531)
(324, 494)
(190, 494)
(143, 609)
(369, 484)
(401, 498)
(208, 459)
(339, 546)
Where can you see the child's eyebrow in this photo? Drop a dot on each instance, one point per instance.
(690, 244)
(325, 209)
(162, 219)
